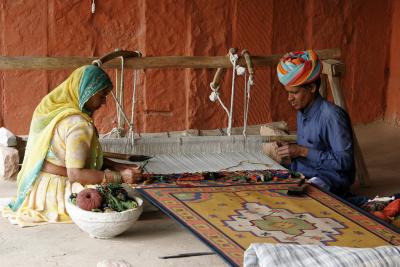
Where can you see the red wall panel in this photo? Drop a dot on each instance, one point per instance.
(177, 99)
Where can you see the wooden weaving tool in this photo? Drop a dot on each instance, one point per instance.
(298, 189)
(128, 157)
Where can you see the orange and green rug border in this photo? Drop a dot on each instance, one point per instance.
(225, 246)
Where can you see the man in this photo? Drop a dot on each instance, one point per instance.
(324, 149)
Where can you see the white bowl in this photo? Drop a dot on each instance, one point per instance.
(104, 224)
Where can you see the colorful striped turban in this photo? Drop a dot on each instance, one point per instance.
(298, 68)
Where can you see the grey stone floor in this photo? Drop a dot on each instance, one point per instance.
(156, 235)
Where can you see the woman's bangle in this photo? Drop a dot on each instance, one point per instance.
(117, 177)
(108, 179)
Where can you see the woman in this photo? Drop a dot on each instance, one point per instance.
(63, 149)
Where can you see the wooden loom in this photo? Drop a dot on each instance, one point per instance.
(193, 140)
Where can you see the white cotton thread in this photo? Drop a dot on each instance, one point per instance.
(97, 62)
(132, 123)
(233, 57)
(214, 96)
(93, 8)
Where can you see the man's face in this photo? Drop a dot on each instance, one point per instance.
(300, 97)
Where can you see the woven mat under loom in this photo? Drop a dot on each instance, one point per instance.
(230, 218)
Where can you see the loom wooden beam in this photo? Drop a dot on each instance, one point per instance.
(279, 138)
(53, 63)
(334, 69)
(323, 87)
(219, 73)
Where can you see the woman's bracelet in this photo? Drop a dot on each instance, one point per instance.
(116, 177)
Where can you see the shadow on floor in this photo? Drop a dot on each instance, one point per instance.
(380, 145)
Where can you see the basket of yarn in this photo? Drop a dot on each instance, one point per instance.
(388, 211)
(104, 212)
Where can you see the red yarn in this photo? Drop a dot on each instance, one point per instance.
(392, 209)
(381, 215)
(89, 199)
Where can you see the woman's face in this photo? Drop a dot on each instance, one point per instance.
(97, 100)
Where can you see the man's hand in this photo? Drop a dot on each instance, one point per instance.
(131, 175)
(291, 151)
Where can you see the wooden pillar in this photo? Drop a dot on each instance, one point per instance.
(333, 69)
(322, 87)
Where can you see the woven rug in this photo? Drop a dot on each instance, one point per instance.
(229, 218)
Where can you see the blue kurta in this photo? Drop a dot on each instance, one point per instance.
(325, 130)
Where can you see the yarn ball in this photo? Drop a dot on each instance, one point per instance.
(89, 199)
(392, 209)
(381, 215)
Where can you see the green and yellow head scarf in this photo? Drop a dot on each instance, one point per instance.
(67, 99)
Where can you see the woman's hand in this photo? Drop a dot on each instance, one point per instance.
(131, 175)
(118, 166)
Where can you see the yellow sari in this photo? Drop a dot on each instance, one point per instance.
(41, 200)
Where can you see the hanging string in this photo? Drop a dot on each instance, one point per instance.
(131, 133)
(247, 89)
(131, 130)
(246, 103)
(119, 99)
(120, 108)
(233, 57)
(93, 7)
(215, 96)
(121, 123)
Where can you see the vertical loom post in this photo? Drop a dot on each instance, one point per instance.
(120, 98)
(333, 69)
(322, 87)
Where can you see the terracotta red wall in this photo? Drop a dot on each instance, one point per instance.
(393, 88)
(178, 99)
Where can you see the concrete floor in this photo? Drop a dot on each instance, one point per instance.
(156, 235)
(380, 145)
